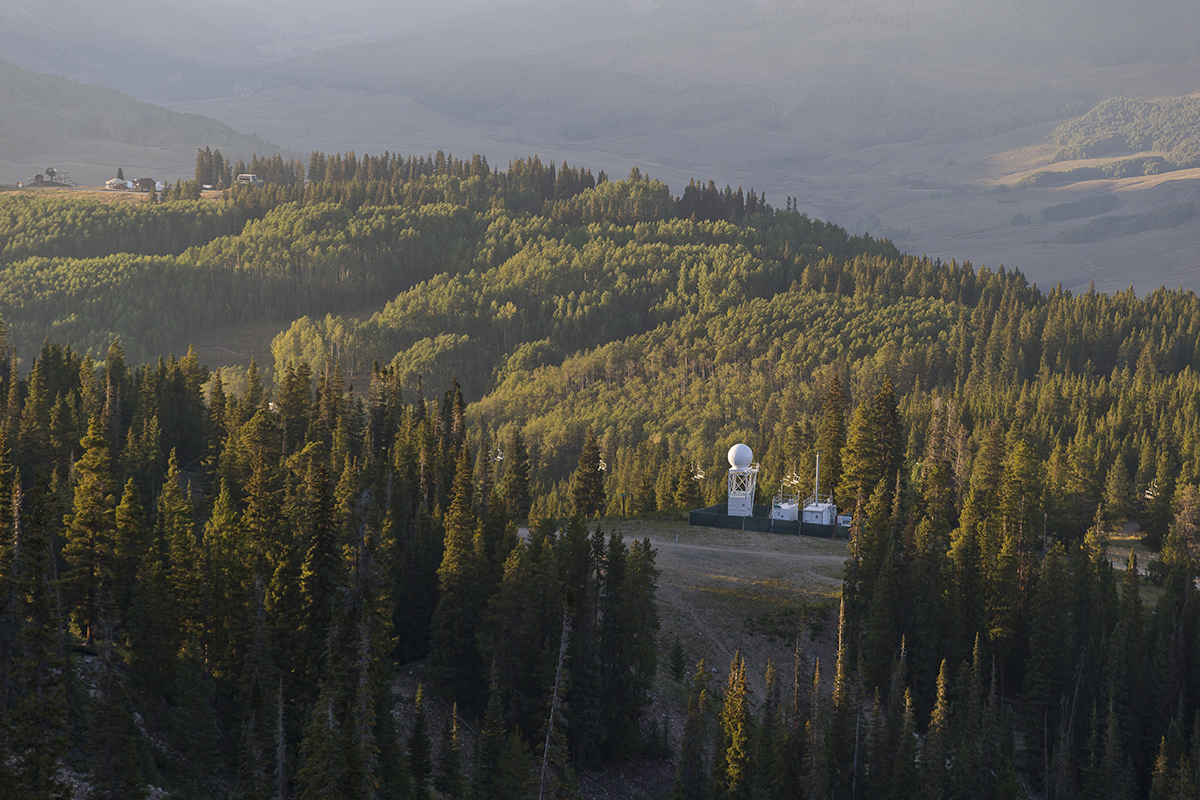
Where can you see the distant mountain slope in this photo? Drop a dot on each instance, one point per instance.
(90, 131)
(181, 49)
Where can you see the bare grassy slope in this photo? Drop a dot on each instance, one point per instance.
(90, 131)
(724, 591)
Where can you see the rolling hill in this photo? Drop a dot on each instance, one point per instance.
(88, 132)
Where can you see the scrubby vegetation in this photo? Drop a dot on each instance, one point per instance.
(1089, 206)
(1126, 225)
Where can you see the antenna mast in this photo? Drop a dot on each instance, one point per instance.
(817, 480)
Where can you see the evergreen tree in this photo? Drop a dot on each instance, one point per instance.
(1049, 665)
(448, 775)
(938, 746)
(453, 653)
(113, 740)
(419, 747)
(557, 777)
(861, 458)
(885, 408)
(1117, 493)
(691, 773)
(36, 722)
(767, 746)
(321, 574)
(176, 530)
(88, 550)
(395, 782)
(831, 436)
(322, 771)
(677, 661)
(129, 538)
(490, 743)
(587, 483)
(905, 772)
(628, 640)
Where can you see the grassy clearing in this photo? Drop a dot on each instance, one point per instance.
(1129, 540)
(722, 591)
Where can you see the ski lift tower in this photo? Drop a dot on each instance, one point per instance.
(743, 477)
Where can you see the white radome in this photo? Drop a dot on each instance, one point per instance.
(740, 456)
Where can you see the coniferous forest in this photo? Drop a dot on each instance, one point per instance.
(212, 591)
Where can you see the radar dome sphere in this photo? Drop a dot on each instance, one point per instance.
(740, 456)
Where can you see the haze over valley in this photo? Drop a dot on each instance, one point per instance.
(899, 118)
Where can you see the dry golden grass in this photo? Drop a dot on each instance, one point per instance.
(722, 591)
(1129, 541)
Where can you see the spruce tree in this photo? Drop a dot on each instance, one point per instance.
(490, 742)
(905, 773)
(419, 747)
(691, 772)
(677, 665)
(874, 451)
(1118, 494)
(395, 782)
(321, 773)
(36, 725)
(175, 528)
(321, 574)
(515, 484)
(229, 586)
(768, 747)
(454, 654)
(1048, 671)
(861, 458)
(154, 627)
(112, 741)
(448, 774)
(129, 541)
(731, 764)
(886, 410)
(88, 549)
(34, 450)
(938, 745)
(587, 482)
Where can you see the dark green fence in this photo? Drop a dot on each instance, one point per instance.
(718, 517)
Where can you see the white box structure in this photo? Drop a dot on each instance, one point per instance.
(785, 510)
(819, 512)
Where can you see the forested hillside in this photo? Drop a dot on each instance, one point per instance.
(1121, 124)
(246, 573)
(247, 570)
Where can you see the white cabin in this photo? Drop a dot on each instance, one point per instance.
(820, 513)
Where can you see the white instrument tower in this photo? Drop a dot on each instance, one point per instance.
(743, 478)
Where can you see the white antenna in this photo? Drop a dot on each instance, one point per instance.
(817, 480)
